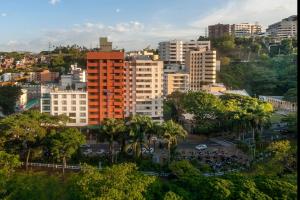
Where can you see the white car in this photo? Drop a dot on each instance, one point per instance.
(150, 150)
(85, 146)
(201, 147)
(87, 152)
(100, 151)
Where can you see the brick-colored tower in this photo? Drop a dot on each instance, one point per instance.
(105, 83)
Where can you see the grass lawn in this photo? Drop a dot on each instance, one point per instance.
(276, 117)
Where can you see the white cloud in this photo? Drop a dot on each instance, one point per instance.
(118, 10)
(136, 35)
(3, 14)
(53, 2)
(265, 12)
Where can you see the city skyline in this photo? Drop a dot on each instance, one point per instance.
(31, 25)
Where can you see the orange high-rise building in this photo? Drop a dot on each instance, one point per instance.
(105, 83)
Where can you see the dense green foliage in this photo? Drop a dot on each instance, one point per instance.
(8, 98)
(234, 113)
(274, 76)
(251, 64)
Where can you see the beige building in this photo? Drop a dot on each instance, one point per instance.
(178, 81)
(245, 29)
(285, 28)
(144, 87)
(201, 66)
(174, 51)
(214, 88)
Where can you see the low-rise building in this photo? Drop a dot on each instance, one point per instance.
(72, 103)
(177, 81)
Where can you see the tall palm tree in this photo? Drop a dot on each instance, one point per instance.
(139, 127)
(110, 129)
(171, 132)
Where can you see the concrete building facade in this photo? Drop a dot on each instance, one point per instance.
(284, 29)
(219, 30)
(105, 84)
(144, 87)
(201, 66)
(174, 51)
(71, 103)
(177, 81)
(236, 30)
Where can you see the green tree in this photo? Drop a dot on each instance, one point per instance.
(8, 98)
(291, 120)
(111, 130)
(171, 132)
(22, 134)
(172, 196)
(139, 127)
(117, 182)
(64, 143)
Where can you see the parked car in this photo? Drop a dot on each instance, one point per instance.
(100, 151)
(147, 151)
(201, 147)
(85, 146)
(87, 152)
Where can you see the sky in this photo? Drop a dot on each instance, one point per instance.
(31, 25)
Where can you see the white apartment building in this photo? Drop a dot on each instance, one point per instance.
(245, 29)
(72, 103)
(284, 29)
(201, 65)
(178, 81)
(144, 87)
(173, 52)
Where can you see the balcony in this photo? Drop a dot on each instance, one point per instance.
(92, 77)
(95, 71)
(93, 109)
(92, 84)
(93, 103)
(93, 97)
(119, 84)
(92, 64)
(93, 116)
(116, 103)
(120, 71)
(92, 90)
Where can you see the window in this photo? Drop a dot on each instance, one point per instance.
(46, 107)
(82, 96)
(82, 121)
(55, 114)
(73, 108)
(64, 102)
(82, 102)
(46, 101)
(74, 96)
(55, 96)
(64, 96)
(55, 108)
(82, 108)
(55, 102)
(72, 120)
(72, 114)
(82, 115)
(64, 108)
(73, 102)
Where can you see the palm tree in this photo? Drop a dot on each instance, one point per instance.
(110, 129)
(139, 127)
(171, 132)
